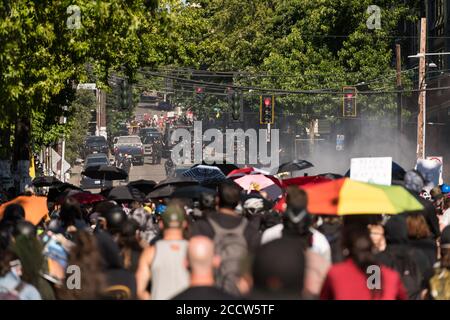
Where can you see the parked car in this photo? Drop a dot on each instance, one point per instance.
(130, 145)
(93, 160)
(149, 131)
(95, 144)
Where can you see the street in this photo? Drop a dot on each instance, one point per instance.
(148, 172)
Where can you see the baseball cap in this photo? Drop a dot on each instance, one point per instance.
(173, 217)
(436, 193)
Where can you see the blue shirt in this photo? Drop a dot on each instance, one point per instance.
(10, 281)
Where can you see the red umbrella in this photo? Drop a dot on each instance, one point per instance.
(241, 171)
(300, 181)
(88, 198)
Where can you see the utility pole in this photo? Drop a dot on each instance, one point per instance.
(399, 86)
(421, 123)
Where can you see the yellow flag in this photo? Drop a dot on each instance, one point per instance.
(32, 170)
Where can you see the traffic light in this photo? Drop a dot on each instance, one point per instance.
(125, 95)
(266, 109)
(349, 102)
(199, 93)
(236, 103)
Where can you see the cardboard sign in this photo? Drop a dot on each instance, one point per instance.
(431, 170)
(439, 160)
(372, 170)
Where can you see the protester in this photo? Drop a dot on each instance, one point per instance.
(86, 257)
(331, 228)
(201, 263)
(399, 255)
(278, 271)
(348, 280)
(163, 262)
(377, 236)
(233, 235)
(13, 214)
(415, 183)
(130, 244)
(29, 250)
(12, 287)
(70, 218)
(296, 221)
(444, 219)
(420, 236)
(437, 279)
(120, 283)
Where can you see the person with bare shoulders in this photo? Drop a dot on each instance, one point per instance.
(164, 262)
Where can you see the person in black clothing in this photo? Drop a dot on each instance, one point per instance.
(332, 227)
(130, 248)
(278, 271)
(201, 263)
(420, 236)
(120, 283)
(13, 214)
(225, 215)
(402, 257)
(414, 182)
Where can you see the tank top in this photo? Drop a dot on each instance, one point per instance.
(169, 274)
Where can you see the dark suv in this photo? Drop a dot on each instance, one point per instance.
(95, 144)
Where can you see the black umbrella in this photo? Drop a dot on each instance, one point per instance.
(191, 192)
(145, 186)
(177, 181)
(125, 193)
(166, 187)
(45, 181)
(105, 172)
(163, 192)
(226, 168)
(295, 165)
(63, 189)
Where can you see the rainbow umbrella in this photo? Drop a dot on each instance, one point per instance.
(345, 197)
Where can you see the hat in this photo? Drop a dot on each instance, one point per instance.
(445, 237)
(436, 193)
(173, 217)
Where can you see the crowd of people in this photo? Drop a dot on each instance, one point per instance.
(228, 244)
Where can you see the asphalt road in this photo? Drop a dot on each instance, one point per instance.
(148, 171)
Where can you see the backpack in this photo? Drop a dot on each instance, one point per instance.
(403, 262)
(231, 246)
(440, 284)
(13, 294)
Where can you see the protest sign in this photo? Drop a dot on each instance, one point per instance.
(439, 160)
(430, 170)
(372, 170)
